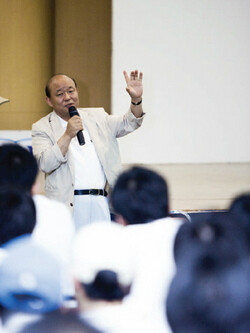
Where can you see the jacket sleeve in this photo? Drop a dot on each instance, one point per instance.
(125, 124)
(46, 149)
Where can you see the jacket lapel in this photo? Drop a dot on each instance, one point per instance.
(56, 126)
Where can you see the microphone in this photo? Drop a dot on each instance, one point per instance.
(73, 112)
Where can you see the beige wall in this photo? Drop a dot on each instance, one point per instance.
(42, 37)
(25, 60)
(83, 47)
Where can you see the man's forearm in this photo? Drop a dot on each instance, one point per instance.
(64, 143)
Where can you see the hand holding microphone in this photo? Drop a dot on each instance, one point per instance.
(73, 112)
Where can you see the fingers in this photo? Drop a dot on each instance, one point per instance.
(134, 75)
(75, 123)
(126, 76)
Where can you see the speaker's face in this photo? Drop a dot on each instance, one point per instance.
(63, 94)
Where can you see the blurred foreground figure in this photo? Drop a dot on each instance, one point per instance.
(141, 204)
(210, 291)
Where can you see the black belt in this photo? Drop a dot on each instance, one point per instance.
(91, 191)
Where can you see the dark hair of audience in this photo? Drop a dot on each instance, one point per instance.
(105, 287)
(210, 291)
(58, 322)
(18, 167)
(240, 211)
(211, 232)
(18, 213)
(140, 195)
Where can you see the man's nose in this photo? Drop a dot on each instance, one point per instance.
(66, 95)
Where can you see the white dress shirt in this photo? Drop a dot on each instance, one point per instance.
(89, 174)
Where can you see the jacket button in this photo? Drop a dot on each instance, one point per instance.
(71, 204)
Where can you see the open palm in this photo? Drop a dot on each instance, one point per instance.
(134, 84)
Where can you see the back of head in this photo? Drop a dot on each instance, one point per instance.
(140, 195)
(213, 233)
(18, 213)
(210, 291)
(58, 322)
(104, 271)
(240, 211)
(18, 167)
(210, 297)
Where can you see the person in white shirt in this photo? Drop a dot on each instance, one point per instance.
(54, 228)
(103, 276)
(141, 204)
(79, 175)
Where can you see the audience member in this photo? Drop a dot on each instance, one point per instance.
(210, 291)
(54, 229)
(140, 196)
(30, 282)
(221, 229)
(103, 274)
(140, 201)
(18, 213)
(240, 211)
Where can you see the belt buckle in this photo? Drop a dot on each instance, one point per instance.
(94, 192)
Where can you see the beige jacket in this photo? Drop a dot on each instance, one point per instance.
(59, 170)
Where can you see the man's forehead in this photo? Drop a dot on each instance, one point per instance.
(61, 81)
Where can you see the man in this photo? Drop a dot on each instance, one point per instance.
(140, 196)
(54, 228)
(140, 202)
(210, 291)
(78, 175)
(18, 214)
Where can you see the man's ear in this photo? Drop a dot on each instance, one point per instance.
(35, 188)
(48, 101)
(120, 220)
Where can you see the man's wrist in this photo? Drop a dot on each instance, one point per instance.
(137, 101)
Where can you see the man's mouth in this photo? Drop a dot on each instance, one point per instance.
(69, 105)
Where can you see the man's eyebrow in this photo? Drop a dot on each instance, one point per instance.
(61, 89)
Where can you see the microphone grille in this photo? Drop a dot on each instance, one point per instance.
(73, 111)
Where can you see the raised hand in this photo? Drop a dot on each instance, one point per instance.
(134, 85)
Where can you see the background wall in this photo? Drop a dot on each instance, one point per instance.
(26, 60)
(194, 55)
(195, 58)
(83, 48)
(41, 37)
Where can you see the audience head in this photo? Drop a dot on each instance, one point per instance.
(18, 213)
(58, 322)
(18, 167)
(30, 278)
(140, 195)
(211, 232)
(240, 211)
(210, 291)
(101, 262)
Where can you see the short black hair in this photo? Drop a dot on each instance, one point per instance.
(213, 232)
(140, 195)
(240, 211)
(47, 88)
(18, 167)
(18, 213)
(210, 291)
(105, 287)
